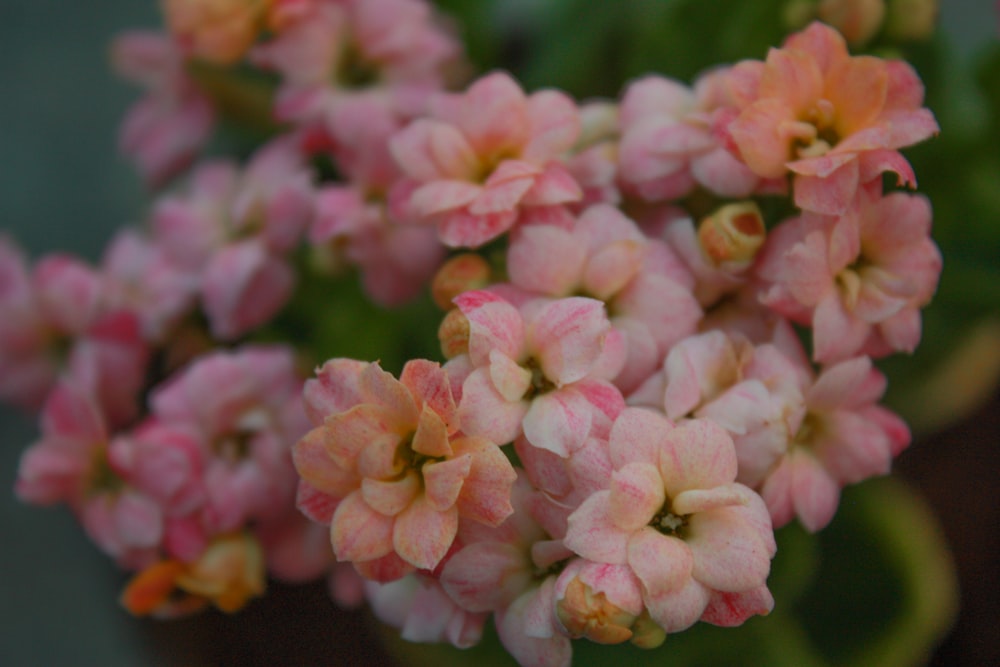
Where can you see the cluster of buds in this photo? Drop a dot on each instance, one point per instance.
(643, 376)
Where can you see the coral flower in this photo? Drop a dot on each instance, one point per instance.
(389, 454)
(483, 155)
(834, 121)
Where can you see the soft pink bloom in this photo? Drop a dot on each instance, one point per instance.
(668, 145)
(482, 157)
(420, 609)
(860, 280)
(676, 517)
(244, 409)
(70, 465)
(340, 61)
(834, 121)
(535, 370)
(397, 471)
(57, 318)
(843, 438)
(646, 288)
(163, 131)
(396, 261)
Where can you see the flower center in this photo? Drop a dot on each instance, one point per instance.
(539, 383)
(668, 523)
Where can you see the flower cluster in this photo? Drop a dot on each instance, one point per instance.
(642, 377)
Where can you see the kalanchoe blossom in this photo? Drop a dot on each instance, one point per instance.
(645, 286)
(219, 31)
(834, 121)
(859, 280)
(843, 438)
(57, 318)
(668, 145)
(696, 540)
(162, 132)
(345, 63)
(418, 606)
(396, 471)
(70, 465)
(536, 371)
(226, 575)
(481, 157)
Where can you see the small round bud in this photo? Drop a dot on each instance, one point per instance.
(454, 334)
(911, 20)
(461, 273)
(733, 233)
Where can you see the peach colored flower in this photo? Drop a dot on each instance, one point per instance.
(834, 121)
(399, 473)
(220, 31)
(481, 157)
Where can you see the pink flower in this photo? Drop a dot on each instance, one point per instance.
(70, 465)
(843, 438)
(162, 132)
(835, 121)
(535, 370)
(419, 607)
(483, 156)
(675, 516)
(668, 145)
(860, 280)
(398, 472)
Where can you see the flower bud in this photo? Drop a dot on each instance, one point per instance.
(220, 31)
(857, 20)
(454, 334)
(461, 273)
(646, 633)
(733, 233)
(911, 19)
(584, 613)
(229, 572)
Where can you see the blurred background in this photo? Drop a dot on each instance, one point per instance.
(64, 187)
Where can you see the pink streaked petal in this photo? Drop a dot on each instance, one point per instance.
(532, 264)
(441, 196)
(663, 564)
(857, 88)
(443, 481)
(729, 555)
(697, 454)
(875, 163)
(484, 576)
(428, 150)
(381, 388)
(484, 412)
(823, 165)
(729, 610)
(555, 185)
(636, 495)
(511, 380)
(422, 535)
(462, 229)
(504, 189)
(815, 495)
(793, 77)
(755, 133)
(379, 459)
(610, 269)
(567, 337)
(838, 384)
(72, 413)
(837, 334)
(314, 464)
(390, 497)
(555, 125)
(693, 501)
(348, 433)
(429, 384)
(486, 493)
(431, 437)
(831, 195)
(315, 504)
(389, 567)
(558, 421)
(494, 114)
(638, 435)
(333, 390)
(593, 534)
(902, 331)
(493, 324)
(359, 533)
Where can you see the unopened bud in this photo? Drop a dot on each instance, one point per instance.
(733, 233)
(454, 334)
(584, 613)
(459, 274)
(219, 31)
(857, 20)
(646, 633)
(911, 20)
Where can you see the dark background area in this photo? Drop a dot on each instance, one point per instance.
(63, 186)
